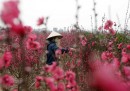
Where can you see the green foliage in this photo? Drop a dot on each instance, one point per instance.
(122, 38)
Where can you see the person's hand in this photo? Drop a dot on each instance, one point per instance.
(73, 49)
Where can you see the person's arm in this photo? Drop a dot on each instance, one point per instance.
(54, 47)
(65, 50)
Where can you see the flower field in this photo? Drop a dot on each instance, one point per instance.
(101, 61)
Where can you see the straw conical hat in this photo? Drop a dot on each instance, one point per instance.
(54, 34)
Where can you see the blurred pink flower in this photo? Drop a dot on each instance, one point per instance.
(7, 57)
(33, 45)
(93, 43)
(100, 28)
(10, 12)
(50, 82)
(112, 31)
(38, 80)
(69, 75)
(10, 16)
(128, 46)
(71, 83)
(110, 43)
(83, 42)
(115, 63)
(120, 45)
(50, 68)
(124, 58)
(7, 80)
(108, 24)
(32, 37)
(126, 70)
(40, 21)
(58, 73)
(104, 56)
(28, 29)
(61, 87)
(37, 84)
(106, 80)
(18, 28)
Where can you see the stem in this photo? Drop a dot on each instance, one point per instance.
(95, 14)
(126, 15)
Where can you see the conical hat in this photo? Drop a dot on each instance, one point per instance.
(54, 34)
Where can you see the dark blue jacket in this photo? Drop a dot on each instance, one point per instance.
(51, 48)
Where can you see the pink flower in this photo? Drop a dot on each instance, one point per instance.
(70, 75)
(110, 55)
(10, 12)
(50, 68)
(108, 24)
(58, 73)
(128, 46)
(40, 21)
(105, 79)
(72, 82)
(10, 16)
(7, 58)
(120, 45)
(104, 56)
(110, 43)
(67, 64)
(7, 80)
(18, 28)
(32, 37)
(33, 45)
(126, 70)
(37, 84)
(39, 78)
(100, 28)
(38, 81)
(124, 58)
(28, 29)
(116, 63)
(112, 31)
(83, 42)
(93, 43)
(50, 82)
(61, 87)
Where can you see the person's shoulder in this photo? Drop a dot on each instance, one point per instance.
(52, 44)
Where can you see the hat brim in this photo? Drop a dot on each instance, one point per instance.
(54, 37)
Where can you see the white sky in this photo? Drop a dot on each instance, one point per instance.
(62, 12)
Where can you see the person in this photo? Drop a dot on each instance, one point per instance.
(53, 46)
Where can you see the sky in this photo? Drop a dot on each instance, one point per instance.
(62, 12)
